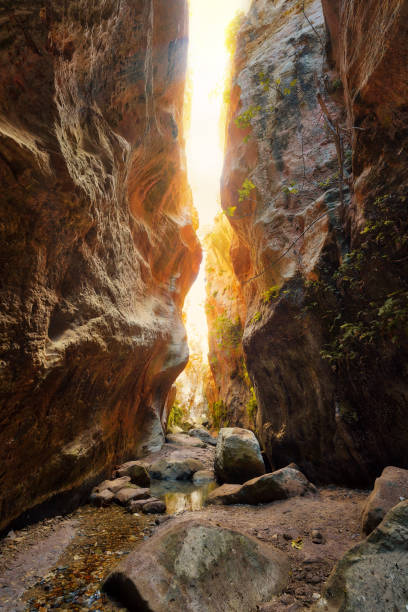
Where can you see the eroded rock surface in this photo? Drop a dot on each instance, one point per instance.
(389, 489)
(373, 574)
(98, 246)
(189, 566)
(321, 260)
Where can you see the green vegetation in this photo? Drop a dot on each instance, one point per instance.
(271, 294)
(232, 31)
(257, 317)
(219, 414)
(177, 415)
(252, 406)
(364, 315)
(243, 120)
(228, 333)
(245, 191)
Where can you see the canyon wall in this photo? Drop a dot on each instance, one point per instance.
(98, 244)
(314, 187)
(228, 389)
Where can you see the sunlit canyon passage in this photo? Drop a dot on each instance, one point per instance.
(209, 64)
(229, 180)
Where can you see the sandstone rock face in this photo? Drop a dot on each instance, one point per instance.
(321, 261)
(189, 566)
(229, 387)
(98, 246)
(373, 574)
(237, 456)
(389, 489)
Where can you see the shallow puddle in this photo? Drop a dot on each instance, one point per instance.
(180, 495)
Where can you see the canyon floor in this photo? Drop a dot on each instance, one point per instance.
(60, 563)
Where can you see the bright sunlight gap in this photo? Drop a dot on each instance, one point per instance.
(207, 69)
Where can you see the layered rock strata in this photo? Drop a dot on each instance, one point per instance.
(314, 186)
(98, 245)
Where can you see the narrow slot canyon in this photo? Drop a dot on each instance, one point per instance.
(203, 322)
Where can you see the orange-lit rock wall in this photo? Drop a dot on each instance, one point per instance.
(228, 389)
(320, 257)
(98, 246)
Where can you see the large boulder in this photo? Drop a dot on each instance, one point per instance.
(373, 576)
(203, 435)
(193, 565)
(137, 472)
(175, 468)
(389, 489)
(282, 484)
(237, 456)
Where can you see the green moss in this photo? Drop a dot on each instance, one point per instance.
(252, 406)
(227, 332)
(177, 415)
(219, 414)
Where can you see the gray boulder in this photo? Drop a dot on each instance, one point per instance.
(203, 435)
(389, 489)
(193, 565)
(237, 456)
(175, 468)
(372, 576)
(282, 484)
(154, 507)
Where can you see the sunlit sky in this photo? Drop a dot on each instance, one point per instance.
(208, 62)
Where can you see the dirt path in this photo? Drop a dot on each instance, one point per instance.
(60, 563)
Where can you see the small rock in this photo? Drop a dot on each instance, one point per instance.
(203, 435)
(154, 507)
(137, 505)
(317, 537)
(102, 498)
(124, 496)
(113, 485)
(162, 519)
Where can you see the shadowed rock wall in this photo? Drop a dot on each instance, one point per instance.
(98, 245)
(321, 259)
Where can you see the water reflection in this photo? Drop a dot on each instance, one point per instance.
(179, 495)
